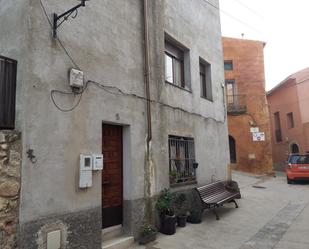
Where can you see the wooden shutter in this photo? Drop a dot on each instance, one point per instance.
(8, 69)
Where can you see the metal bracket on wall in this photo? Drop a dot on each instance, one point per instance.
(65, 16)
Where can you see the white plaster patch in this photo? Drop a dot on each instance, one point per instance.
(48, 228)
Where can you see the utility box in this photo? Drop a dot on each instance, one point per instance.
(97, 161)
(85, 172)
(54, 240)
(76, 79)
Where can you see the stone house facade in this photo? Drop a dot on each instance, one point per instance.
(288, 104)
(152, 103)
(247, 108)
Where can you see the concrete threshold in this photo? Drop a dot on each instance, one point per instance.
(122, 242)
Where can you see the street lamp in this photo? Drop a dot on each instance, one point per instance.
(57, 22)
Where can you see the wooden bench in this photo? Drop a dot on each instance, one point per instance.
(215, 194)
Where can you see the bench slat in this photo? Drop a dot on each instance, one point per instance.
(216, 193)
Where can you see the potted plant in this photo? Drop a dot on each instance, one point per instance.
(180, 209)
(147, 234)
(196, 209)
(174, 176)
(195, 216)
(164, 206)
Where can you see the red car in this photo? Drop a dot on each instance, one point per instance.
(297, 167)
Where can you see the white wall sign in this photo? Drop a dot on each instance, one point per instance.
(258, 136)
(254, 129)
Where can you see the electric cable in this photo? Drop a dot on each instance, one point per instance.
(58, 39)
(107, 87)
(233, 17)
(250, 9)
(52, 92)
(122, 93)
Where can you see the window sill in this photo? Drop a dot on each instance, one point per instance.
(210, 100)
(181, 184)
(182, 88)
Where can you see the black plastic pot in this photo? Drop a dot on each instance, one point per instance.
(181, 220)
(195, 218)
(168, 224)
(148, 238)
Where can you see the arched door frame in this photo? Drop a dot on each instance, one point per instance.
(292, 147)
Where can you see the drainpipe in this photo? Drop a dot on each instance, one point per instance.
(147, 73)
(148, 161)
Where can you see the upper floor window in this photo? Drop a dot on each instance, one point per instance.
(228, 65)
(230, 90)
(175, 64)
(205, 80)
(8, 68)
(181, 160)
(290, 120)
(278, 134)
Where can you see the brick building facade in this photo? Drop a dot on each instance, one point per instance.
(288, 104)
(248, 116)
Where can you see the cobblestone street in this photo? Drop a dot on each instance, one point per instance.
(271, 214)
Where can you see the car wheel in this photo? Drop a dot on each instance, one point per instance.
(289, 181)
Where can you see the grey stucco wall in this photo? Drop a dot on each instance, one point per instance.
(105, 40)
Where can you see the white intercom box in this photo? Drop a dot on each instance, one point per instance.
(76, 78)
(97, 161)
(85, 172)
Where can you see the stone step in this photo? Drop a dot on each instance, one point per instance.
(122, 242)
(111, 232)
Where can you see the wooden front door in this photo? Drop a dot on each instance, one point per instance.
(112, 176)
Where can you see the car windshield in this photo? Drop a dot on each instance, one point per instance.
(299, 159)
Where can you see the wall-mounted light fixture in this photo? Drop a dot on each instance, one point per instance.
(58, 20)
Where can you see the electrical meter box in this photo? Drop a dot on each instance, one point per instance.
(97, 162)
(85, 171)
(76, 79)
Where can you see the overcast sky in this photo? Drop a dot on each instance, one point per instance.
(283, 25)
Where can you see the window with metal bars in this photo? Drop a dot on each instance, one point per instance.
(181, 160)
(8, 68)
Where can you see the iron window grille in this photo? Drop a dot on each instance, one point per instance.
(8, 69)
(181, 160)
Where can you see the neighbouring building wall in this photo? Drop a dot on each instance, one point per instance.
(10, 166)
(106, 42)
(290, 96)
(203, 120)
(302, 83)
(303, 99)
(247, 58)
(285, 101)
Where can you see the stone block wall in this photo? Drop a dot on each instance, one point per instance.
(10, 164)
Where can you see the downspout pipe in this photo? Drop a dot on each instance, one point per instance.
(147, 73)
